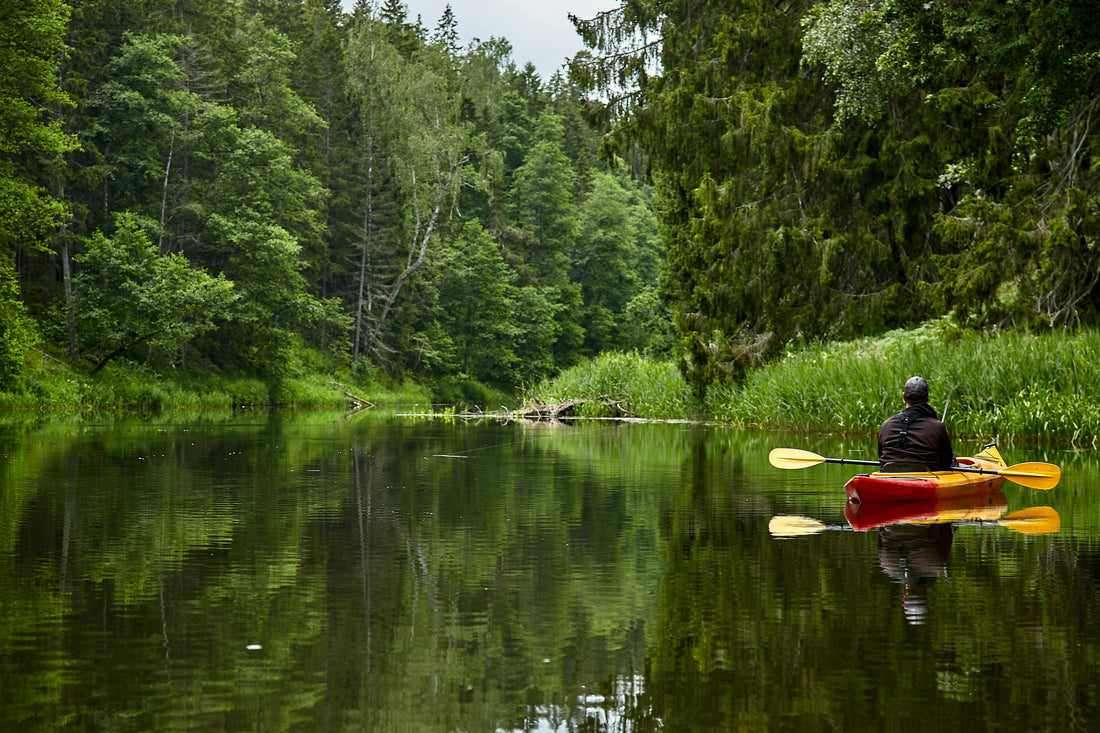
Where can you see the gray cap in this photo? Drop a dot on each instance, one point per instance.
(916, 388)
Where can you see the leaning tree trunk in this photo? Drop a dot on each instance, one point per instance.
(421, 238)
(364, 292)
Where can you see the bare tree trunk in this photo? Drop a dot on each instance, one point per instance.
(164, 192)
(421, 238)
(414, 265)
(359, 309)
(66, 256)
(368, 215)
(67, 276)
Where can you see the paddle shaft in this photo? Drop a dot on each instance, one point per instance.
(1033, 475)
(965, 469)
(852, 461)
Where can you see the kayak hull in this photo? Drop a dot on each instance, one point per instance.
(930, 485)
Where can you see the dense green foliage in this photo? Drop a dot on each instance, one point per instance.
(842, 168)
(270, 187)
(31, 135)
(126, 295)
(386, 202)
(16, 334)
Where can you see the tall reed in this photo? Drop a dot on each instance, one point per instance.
(639, 387)
(1009, 385)
(1006, 386)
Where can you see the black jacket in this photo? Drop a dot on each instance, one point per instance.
(915, 435)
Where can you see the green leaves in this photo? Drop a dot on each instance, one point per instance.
(846, 167)
(852, 39)
(16, 330)
(477, 287)
(611, 242)
(31, 37)
(323, 163)
(31, 41)
(268, 99)
(127, 294)
(139, 115)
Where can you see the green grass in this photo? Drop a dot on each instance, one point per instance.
(1008, 386)
(123, 386)
(642, 388)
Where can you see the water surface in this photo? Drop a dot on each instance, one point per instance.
(316, 572)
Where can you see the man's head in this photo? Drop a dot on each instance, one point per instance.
(916, 390)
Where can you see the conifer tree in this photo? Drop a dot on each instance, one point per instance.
(446, 31)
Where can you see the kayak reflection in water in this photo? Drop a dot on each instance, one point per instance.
(914, 537)
(916, 555)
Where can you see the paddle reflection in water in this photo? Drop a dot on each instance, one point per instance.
(914, 537)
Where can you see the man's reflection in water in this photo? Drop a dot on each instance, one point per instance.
(915, 554)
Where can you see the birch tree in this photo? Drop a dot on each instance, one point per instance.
(414, 139)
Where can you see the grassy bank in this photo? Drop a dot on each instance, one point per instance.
(640, 387)
(52, 386)
(1007, 386)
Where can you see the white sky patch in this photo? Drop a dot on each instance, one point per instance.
(539, 30)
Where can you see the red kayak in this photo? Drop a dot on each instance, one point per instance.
(901, 485)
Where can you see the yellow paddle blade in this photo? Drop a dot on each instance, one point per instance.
(1033, 475)
(1034, 520)
(793, 458)
(792, 525)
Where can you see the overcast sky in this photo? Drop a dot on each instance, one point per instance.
(539, 30)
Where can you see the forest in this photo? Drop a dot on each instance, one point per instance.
(831, 170)
(276, 186)
(269, 186)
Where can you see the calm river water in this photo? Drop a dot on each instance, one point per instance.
(374, 573)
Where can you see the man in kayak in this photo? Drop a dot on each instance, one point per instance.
(915, 435)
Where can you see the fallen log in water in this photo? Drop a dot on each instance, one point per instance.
(540, 410)
(357, 402)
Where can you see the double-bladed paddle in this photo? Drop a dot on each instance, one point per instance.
(1033, 520)
(1033, 475)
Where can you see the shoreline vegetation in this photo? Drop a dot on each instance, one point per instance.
(51, 386)
(1008, 386)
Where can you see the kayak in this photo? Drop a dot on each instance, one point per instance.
(923, 485)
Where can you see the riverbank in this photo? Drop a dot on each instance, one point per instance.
(1006, 386)
(53, 386)
(1003, 386)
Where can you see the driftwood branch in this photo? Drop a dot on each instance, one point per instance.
(538, 410)
(358, 402)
